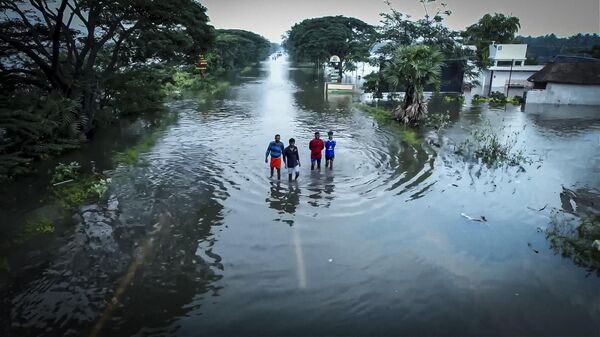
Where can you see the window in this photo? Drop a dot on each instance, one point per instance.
(499, 47)
(504, 63)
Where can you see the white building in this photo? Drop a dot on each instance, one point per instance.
(571, 81)
(508, 73)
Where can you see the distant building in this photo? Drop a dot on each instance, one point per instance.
(567, 80)
(508, 73)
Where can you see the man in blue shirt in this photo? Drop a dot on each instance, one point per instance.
(275, 149)
(329, 150)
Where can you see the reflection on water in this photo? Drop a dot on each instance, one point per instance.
(575, 229)
(376, 246)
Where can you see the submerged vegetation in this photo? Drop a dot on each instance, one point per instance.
(492, 148)
(72, 188)
(498, 98)
(383, 115)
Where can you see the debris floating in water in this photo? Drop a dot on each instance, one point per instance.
(330, 260)
(481, 218)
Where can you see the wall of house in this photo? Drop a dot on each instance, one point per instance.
(556, 93)
(500, 81)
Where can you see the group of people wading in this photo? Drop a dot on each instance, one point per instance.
(291, 158)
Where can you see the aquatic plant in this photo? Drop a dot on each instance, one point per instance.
(492, 149)
(438, 121)
(83, 189)
(100, 187)
(63, 172)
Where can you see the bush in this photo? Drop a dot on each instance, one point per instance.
(34, 128)
(498, 98)
(64, 172)
(491, 149)
(438, 121)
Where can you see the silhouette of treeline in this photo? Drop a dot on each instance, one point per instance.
(543, 48)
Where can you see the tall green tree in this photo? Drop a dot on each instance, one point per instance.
(316, 40)
(72, 46)
(414, 67)
(398, 29)
(497, 28)
(236, 48)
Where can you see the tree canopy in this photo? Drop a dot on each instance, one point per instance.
(414, 67)
(497, 28)
(317, 39)
(236, 48)
(70, 46)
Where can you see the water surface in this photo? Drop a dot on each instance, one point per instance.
(377, 246)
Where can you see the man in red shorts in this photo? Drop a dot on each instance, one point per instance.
(316, 147)
(275, 149)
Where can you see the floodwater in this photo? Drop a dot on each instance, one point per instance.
(210, 246)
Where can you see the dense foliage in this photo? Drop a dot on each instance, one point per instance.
(68, 65)
(236, 48)
(498, 28)
(316, 40)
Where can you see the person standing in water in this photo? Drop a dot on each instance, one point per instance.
(329, 150)
(291, 158)
(275, 149)
(316, 147)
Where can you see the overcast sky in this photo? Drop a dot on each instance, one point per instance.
(271, 18)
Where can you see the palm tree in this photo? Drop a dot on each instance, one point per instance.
(414, 67)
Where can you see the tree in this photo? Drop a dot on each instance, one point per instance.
(414, 67)
(399, 29)
(316, 40)
(497, 28)
(72, 46)
(237, 48)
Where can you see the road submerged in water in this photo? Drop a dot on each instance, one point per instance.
(201, 242)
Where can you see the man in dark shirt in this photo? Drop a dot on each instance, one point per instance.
(291, 158)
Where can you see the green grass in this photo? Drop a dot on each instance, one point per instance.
(382, 115)
(378, 113)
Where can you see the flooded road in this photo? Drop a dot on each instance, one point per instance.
(377, 246)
